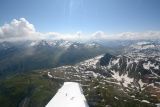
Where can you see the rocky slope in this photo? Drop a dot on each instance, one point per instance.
(132, 79)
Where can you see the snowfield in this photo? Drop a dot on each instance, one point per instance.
(69, 95)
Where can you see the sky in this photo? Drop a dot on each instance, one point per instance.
(87, 16)
(72, 19)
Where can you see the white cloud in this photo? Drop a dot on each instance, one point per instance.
(99, 34)
(23, 30)
(149, 35)
(78, 36)
(18, 30)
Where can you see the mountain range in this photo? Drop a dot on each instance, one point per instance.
(125, 74)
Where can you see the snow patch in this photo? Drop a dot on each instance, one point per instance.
(145, 101)
(92, 61)
(122, 78)
(49, 75)
(116, 98)
(148, 65)
(93, 73)
(115, 61)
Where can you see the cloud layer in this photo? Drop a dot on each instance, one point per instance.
(149, 35)
(23, 30)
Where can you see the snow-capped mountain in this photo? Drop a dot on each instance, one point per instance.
(62, 44)
(48, 43)
(144, 48)
(30, 55)
(129, 77)
(131, 72)
(138, 80)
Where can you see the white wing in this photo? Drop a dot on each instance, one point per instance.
(69, 95)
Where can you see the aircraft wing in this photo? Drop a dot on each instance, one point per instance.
(69, 95)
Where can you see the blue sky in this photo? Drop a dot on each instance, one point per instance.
(68, 16)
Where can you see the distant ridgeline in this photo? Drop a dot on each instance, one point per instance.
(31, 55)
